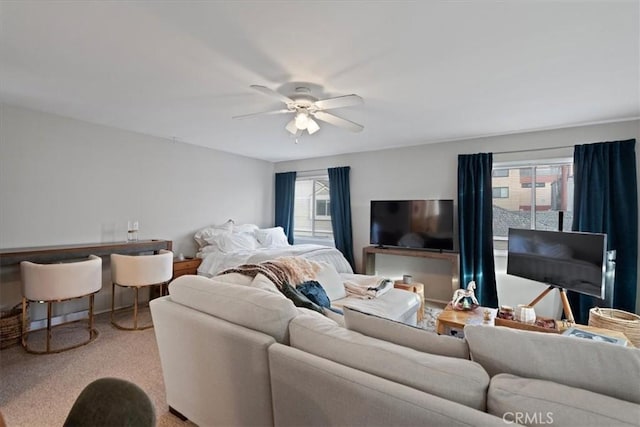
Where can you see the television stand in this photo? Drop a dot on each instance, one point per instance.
(369, 262)
(566, 307)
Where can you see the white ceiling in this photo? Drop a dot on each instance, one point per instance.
(428, 71)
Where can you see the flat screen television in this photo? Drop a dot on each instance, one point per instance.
(570, 260)
(416, 224)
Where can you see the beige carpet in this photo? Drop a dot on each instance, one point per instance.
(39, 390)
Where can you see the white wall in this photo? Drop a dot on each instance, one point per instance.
(64, 181)
(430, 172)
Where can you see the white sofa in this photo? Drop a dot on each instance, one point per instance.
(237, 355)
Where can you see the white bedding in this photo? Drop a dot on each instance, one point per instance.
(213, 261)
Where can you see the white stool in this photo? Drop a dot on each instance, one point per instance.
(138, 272)
(55, 283)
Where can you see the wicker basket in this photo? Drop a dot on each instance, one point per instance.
(617, 320)
(10, 326)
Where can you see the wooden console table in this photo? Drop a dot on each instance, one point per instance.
(44, 254)
(369, 261)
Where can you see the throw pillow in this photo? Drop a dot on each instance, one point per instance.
(404, 335)
(272, 237)
(331, 281)
(262, 282)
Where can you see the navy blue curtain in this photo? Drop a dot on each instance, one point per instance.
(285, 200)
(475, 226)
(606, 201)
(340, 206)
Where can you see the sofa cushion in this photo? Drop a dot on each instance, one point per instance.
(243, 305)
(395, 304)
(404, 335)
(556, 404)
(455, 379)
(599, 367)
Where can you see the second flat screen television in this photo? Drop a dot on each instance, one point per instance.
(416, 224)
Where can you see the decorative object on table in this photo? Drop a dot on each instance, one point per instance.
(617, 320)
(407, 279)
(544, 322)
(486, 315)
(465, 299)
(525, 314)
(505, 312)
(132, 231)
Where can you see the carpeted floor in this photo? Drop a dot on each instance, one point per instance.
(39, 390)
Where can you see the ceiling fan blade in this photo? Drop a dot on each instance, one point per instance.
(264, 113)
(338, 121)
(338, 102)
(272, 93)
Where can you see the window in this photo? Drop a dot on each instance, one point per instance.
(531, 195)
(323, 209)
(312, 211)
(500, 192)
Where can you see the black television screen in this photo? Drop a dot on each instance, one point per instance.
(417, 224)
(569, 260)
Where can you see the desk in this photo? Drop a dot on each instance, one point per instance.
(44, 254)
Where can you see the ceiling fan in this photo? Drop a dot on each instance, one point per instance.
(307, 108)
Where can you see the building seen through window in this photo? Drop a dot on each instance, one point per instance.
(312, 211)
(531, 196)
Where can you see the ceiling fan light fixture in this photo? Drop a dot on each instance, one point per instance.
(302, 120)
(312, 126)
(291, 127)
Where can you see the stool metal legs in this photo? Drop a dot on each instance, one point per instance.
(93, 333)
(135, 306)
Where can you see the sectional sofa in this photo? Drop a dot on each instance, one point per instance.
(239, 355)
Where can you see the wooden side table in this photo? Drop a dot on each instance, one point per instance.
(185, 266)
(417, 288)
(450, 318)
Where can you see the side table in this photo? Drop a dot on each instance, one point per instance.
(417, 288)
(456, 319)
(185, 266)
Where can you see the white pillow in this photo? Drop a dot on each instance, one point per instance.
(202, 235)
(215, 238)
(331, 281)
(245, 228)
(262, 282)
(234, 242)
(272, 237)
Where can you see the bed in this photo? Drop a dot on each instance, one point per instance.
(229, 245)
